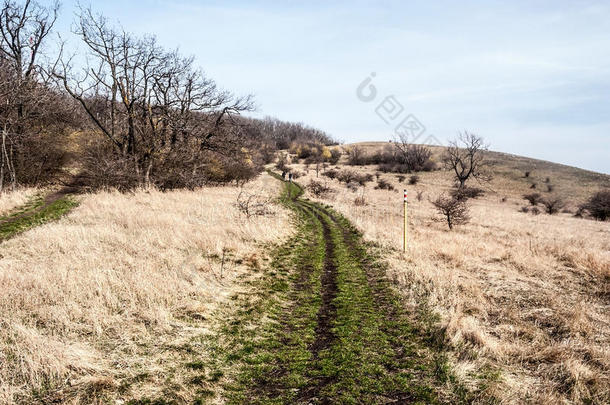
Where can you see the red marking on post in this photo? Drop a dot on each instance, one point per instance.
(405, 195)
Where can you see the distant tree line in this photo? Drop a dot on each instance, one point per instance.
(129, 113)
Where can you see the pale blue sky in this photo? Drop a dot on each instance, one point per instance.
(531, 77)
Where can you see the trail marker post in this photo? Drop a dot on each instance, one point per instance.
(404, 239)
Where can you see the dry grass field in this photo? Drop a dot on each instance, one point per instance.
(12, 199)
(523, 299)
(96, 305)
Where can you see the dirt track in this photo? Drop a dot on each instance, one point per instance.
(342, 335)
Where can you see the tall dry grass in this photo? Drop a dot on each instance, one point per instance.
(9, 200)
(108, 293)
(527, 295)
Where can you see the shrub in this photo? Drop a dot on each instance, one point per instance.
(357, 157)
(348, 176)
(552, 205)
(335, 155)
(550, 188)
(547, 180)
(359, 201)
(400, 178)
(413, 180)
(524, 209)
(253, 204)
(331, 174)
(352, 186)
(318, 189)
(535, 211)
(420, 195)
(384, 185)
(465, 193)
(454, 211)
(527, 174)
(533, 186)
(533, 198)
(598, 205)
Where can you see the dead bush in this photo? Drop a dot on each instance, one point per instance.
(253, 204)
(331, 174)
(552, 205)
(318, 189)
(359, 201)
(598, 206)
(466, 193)
(400, 178)
(413, 180)
(349, 176)
(352, 186)
(524, 209)
(419, 195)
(535, 211)
(383, 184)
(533, 198)
(452, 210)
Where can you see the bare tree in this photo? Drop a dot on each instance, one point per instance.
(415, 157)
(150, 104)
(28, 103)
(552, 205)
(454, 211)
(465, 157)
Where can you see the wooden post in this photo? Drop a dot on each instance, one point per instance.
(404, 240)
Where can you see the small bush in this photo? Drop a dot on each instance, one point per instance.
(533, 198)
(384, 185)
(466, 193)
(552, 205)
(413, 180)
(533, 186)
(400, 178)
(352, 186)
(527, 174)
(503, 199)
(525, 209)
(349, 176)
(318, 189)
(547, 180)
(331, 174)
(454, 211)
(550, 188)
(335, 155)
(419, 195)
(253, 204)
(598, 206)
(535, 211)
(359, 201)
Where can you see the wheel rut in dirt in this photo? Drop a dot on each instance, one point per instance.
(328, 291)
(339, 332)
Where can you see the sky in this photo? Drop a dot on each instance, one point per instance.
(531, 77)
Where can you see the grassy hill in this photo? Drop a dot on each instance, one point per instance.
(522, 299)
(123, 298)
(508, 171)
